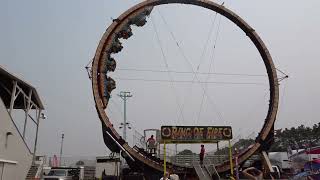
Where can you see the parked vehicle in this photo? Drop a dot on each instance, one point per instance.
(64, 173)
(280, 159)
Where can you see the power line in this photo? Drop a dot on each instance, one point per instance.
(117, 106)
(184, 81)
(120, 113)
(111, 114)
(189, 72)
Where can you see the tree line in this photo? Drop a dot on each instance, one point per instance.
(293, 138)
(301, 137)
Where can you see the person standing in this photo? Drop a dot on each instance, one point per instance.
(202, 151)
(151, 145)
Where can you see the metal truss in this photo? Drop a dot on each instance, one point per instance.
(28, 106)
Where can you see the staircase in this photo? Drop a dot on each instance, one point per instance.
(202, 172)
(212, 171)
(32, 172)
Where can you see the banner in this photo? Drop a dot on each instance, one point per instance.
(195, 134)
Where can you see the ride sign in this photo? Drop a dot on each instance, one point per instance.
(195, 134)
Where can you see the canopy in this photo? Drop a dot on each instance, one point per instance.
(6, 86)
(312, 165)
(313, 151)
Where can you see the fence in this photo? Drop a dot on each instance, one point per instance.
(191, 159)
(71, 161)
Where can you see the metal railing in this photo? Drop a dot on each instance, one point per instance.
(185, 160)
(40, 161)
(139, 140)
(212, 170)
(190, 159)
(71, 161)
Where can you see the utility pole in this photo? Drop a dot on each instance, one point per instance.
(61, 147)
(124, 95)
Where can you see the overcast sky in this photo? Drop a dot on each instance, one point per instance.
(48, 44)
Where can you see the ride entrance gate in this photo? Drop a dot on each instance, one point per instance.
(195, 135)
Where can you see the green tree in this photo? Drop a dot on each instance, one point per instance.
(297, 138)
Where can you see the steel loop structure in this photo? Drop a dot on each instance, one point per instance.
(102, 84)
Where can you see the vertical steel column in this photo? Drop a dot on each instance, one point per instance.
(218, 150)
(230, 157)
(125, 119)
(26, 115)
(124, 96)
(13, 96)
(36, 140)
(61, 148)
(237, 168)
(164, 159)
(176, 148)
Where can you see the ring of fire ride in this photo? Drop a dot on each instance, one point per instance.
(102, 84)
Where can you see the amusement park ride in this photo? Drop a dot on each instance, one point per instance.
(102, 85)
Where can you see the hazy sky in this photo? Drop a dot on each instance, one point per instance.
(48, 43)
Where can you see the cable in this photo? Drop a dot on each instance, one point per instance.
(210, 66)
(89, 68)
(172, 35)
(182, 81)
(255, 107)
(118, 109)
(188, 62)
(189, 72)
(207, 42)
(281, 72)
(281, 100)
(167, 66)
(285, 76)
(117, 106)
(111, 114)
(90, 62)
(202, 54)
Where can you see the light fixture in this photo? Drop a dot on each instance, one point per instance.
(7, 136)
(43, 116)
(9, 133)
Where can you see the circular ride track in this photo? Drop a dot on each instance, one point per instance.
(102, 84)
